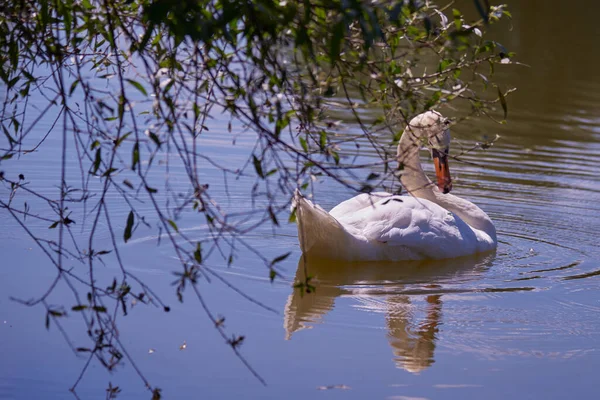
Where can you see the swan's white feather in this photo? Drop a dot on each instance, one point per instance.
(382, 226)
(405, 223)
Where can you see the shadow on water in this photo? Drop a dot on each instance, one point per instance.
(389, 288)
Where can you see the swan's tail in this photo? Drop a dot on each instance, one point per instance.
(318, 232)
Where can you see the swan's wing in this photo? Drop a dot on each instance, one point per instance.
(417, 224)
(357, 203)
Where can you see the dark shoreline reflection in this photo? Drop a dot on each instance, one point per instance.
(408, 293)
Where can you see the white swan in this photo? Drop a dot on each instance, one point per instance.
(428, 224)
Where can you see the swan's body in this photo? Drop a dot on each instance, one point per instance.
(427, 224)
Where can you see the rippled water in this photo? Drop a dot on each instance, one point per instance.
(522, 322)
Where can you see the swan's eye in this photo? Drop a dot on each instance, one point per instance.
(446, 121)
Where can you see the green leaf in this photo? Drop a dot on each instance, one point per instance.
(73, 86)
(97, 161)
(121, 107)
(67, 18)
(258, 166)
(13, 82)
(135, 155)
(272, 275)
(25, 91)
(146, 37)
(292, 217)
(138, 86)
(10, 139)
(44, 13)
(396, 12)
(336, 157)
(335, 45)
(304, 144)
(121, 139)
(128, 227)
(428, 25)
(109, 171)
(503, 102)
(79, 307)
(100, 309)
(54, 225)
(198, 253)
(444, 64)
(173, 225)
(323, 139)
(155, 138)
(366, 189)
(457, 18)
(272, 172)
(433, 100)
(280, 258)
(281, 124)
(481, 10)
(273, 216)
(127, 183)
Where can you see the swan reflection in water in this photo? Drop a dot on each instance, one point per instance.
(409, 293)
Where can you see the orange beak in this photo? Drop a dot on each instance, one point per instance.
(442, 171)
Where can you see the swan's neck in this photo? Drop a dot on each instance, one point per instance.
(419, 185)
(413, 178)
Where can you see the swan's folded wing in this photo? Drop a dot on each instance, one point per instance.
(417, 224)
(358, 203)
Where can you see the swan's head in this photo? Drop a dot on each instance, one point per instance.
(430, 129)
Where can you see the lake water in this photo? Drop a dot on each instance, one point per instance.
(523, 322)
